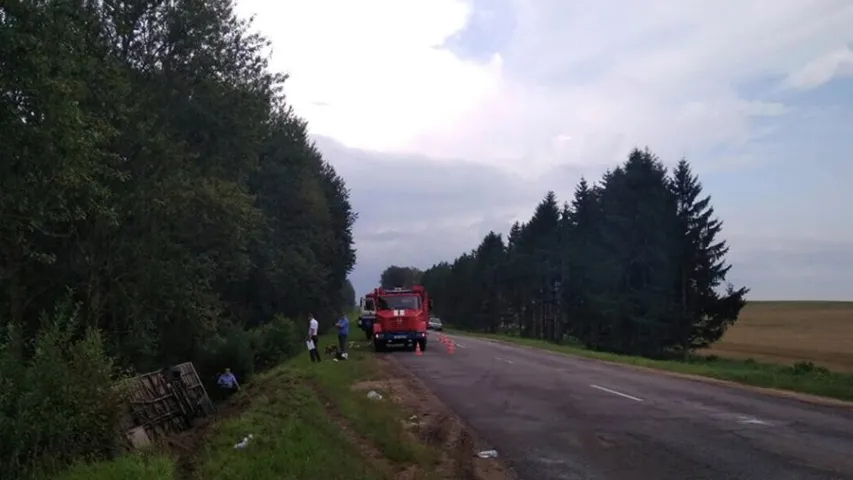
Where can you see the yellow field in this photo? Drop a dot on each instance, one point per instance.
(788, 332)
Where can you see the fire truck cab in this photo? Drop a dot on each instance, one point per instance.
(401, 317)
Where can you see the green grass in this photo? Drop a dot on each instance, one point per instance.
(148, 466)
(294, 438)
(377, 422)
(297, 438)
(801, 377)
(294, 412)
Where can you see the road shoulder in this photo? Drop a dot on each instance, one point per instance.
(817, 387)
(434, 423)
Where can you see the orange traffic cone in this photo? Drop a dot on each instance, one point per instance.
(450, 347)
(418, 351)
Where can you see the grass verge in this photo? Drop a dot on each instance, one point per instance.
(147, 465)
(801, 377)
(379, 423)
(307, 421)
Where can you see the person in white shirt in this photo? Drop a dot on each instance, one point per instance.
(313, 327)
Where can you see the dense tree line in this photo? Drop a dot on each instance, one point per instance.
(158, 199)
(633, 264)
(397, 276)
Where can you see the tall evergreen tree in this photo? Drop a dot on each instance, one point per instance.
(704, 312)
(490, 258)
(631, 265)
(579, 251)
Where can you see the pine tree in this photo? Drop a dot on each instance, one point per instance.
(633, 275)
(636, 258)
(489, 266)
(704, 313)
(517, 276)
(582, 221)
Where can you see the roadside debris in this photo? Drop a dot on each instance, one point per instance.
(488, 454)
(414, 422)
(243, 443)
(373, 395)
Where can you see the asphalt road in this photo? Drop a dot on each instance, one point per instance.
(558, 417)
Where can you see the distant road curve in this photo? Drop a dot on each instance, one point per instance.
(560, 417)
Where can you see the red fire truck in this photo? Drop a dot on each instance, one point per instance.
(401, 317)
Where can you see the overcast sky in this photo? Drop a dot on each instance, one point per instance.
(451, 118)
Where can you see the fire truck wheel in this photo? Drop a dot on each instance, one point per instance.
(378, 346)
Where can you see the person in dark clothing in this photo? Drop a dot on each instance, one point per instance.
(343, 333)
(366, 325)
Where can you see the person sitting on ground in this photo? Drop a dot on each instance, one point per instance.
(228, 382)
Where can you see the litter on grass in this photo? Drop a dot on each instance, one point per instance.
(243, 443)
(373, 395)
(413, 422)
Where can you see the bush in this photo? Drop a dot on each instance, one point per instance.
(247, 351)
(232, 348)
(275, 342)
(58, 403)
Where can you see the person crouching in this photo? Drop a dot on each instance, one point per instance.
(227, 383)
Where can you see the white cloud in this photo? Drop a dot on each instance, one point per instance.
(569, 89)
(370, 73)
(610, 74)
(836, 63)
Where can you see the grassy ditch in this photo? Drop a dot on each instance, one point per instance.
(802, 377)
(307, 421)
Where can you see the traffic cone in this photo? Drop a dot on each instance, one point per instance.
(450, 347)
(418, 351)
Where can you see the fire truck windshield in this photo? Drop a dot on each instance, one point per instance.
(399, 302)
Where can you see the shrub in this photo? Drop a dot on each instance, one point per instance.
(275, 342)
(232, 348)
(58, 403)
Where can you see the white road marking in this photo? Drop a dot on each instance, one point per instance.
(751, 420)
(459, 345)
(504, 360)
(614, 392)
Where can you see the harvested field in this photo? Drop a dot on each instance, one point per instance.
(790, 332)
